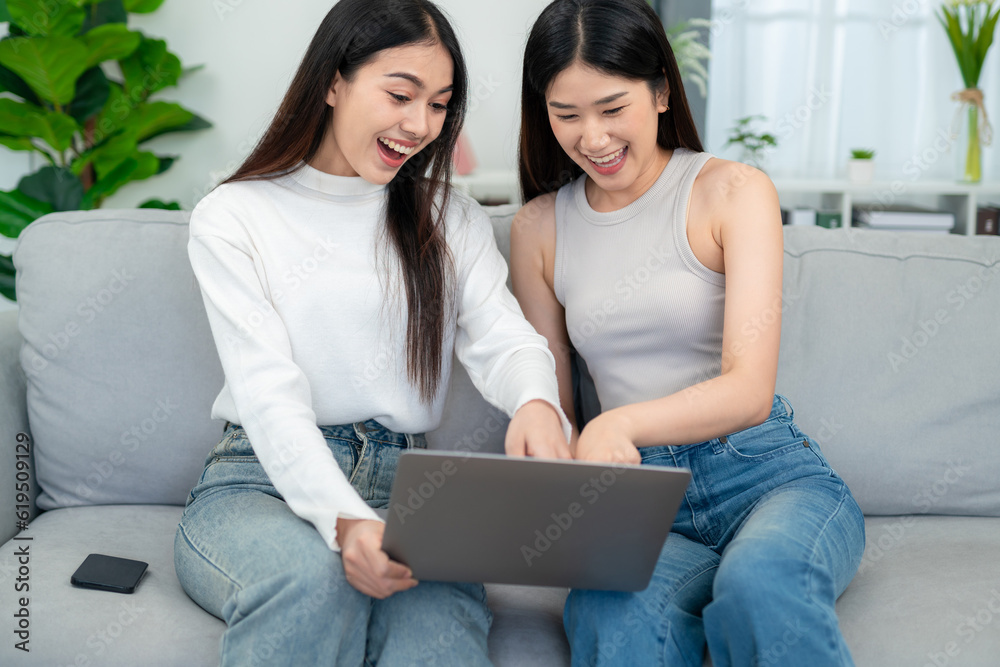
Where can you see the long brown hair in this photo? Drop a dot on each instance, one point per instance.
(351, 35)
(618, 37)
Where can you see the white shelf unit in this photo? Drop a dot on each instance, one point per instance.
(485, 184)
(961, 199)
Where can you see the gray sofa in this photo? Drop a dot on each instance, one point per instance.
(889, 356)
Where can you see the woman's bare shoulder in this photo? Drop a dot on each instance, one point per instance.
(725, 183)
(535, 222)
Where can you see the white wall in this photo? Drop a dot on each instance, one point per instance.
(250, 51)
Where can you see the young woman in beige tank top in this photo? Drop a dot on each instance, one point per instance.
(768, 535)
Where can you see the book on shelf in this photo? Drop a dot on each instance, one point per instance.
(905, 218)
(987, 218)
(811, 216)
(802, 217)
(830, 219)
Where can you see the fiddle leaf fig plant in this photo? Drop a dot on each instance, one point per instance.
(76, 84)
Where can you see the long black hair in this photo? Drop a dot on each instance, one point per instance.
(617, 37)
(351, 35)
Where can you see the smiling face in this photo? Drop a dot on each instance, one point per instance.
(608, 125)
(390, 110)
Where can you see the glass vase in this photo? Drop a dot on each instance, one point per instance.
(969, 142)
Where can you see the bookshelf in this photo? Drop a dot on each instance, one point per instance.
(961, 199)
(486, 184)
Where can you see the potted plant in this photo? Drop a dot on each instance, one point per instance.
(754, 144)
(861, 166)
(691, 54)
(77, 85)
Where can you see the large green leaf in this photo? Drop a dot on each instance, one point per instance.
(115, 112)
(166, 162)
(57, 186)
(47, 17)
(142, 6)
(4, 14)
(196, 123)
(7, 274)
(92, 92)
(18, 210)
(149, 165)
(113, 152)
(59, 130)
(149, 69)
(17, 143)
(985, 40)
(12, 83)
(160, 204)
(187, 71)
(50, 65)
(101, 13)
(110, 183)
(112, 41)
(139, 166)
(20, 119)
(154, 118)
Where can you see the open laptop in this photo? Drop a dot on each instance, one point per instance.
(456, 516)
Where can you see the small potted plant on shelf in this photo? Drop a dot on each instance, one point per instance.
(861, 166)
(755, 144)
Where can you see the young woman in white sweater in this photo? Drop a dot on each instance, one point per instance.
(339, 275)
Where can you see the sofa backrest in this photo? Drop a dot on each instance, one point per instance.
(119, 358)
(887, 356)
(122, 368)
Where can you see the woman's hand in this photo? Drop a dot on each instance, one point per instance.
(536, 430)
(368, 568)
(606, 439)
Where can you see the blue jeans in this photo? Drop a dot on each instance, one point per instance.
(766, 538)
(243, 556)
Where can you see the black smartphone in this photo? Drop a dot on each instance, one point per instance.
(109, 573)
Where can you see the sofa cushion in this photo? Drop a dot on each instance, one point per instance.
(927, 593)
(527, 626)
(928, 589)
(157, 626)
(121, 365)
(889, 357)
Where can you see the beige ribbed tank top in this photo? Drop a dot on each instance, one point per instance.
(641, 310)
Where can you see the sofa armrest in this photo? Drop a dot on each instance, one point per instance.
(14, 434)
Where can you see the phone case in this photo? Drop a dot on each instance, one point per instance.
(109, 573)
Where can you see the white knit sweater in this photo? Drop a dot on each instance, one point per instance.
(292, 272)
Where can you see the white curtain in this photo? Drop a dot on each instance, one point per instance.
(832, 75)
